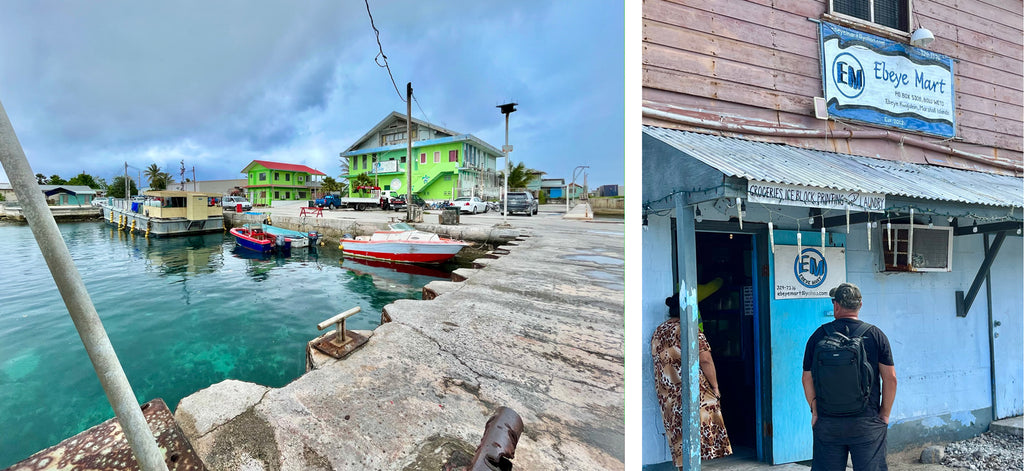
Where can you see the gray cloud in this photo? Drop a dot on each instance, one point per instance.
(90, 86)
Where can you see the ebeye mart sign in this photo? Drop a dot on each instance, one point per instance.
(875, 80)
(813, 197)
(809, 274)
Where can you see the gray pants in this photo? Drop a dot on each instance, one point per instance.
(862, 437)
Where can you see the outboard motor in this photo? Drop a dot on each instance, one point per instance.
(283, 244)
(313, 238)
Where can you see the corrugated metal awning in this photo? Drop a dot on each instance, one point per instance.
(780, 163)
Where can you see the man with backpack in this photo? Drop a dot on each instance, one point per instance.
(850, 383)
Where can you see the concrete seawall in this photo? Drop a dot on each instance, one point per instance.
(539, 330)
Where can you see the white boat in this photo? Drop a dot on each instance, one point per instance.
(403, 243)
(298, 239)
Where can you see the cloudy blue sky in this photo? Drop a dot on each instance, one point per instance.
(89, 86)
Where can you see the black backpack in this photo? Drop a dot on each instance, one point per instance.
(841, 371)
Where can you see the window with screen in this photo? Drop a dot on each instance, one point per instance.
(924, 249)
(453, 156)
(893, 14)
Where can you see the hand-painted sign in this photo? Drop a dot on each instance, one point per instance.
(811, 275)
(387, 166)
(875, 80)
(813, 197)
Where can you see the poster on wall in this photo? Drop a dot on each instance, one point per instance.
(872, 79)
(387, 166)
(811, 275)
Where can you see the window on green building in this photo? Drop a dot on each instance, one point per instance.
(287, 177)
(263, 176)
(277, 176)
(277, 195)
(453, 156)
(287, 195)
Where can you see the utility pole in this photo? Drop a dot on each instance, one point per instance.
(408, 152)
(506, 110)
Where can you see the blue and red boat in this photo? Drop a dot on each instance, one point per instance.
(253, 237)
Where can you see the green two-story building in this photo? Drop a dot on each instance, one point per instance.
(445, 164)
(275, 181)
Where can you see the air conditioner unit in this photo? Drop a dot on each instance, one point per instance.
(926, 249)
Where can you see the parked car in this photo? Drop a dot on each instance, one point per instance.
(470, 205)
(398, 202)
(521, 202)
(230, 203)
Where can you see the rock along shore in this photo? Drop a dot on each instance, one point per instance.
(539, 330)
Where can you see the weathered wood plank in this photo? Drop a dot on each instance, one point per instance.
(726, 48)
(751, 33)
(988, 138)
(683, 82)
(728, 70)
(944, 21)
(971, 71)
(972, 90)
(1002, 16)
(752, 12)
(995, 124)
(989, 106)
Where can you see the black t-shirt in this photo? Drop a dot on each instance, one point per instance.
(876, 346)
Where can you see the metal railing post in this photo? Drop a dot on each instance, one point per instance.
(76, 298)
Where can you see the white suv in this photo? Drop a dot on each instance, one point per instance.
(230, 203)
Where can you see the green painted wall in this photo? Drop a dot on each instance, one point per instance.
(265, 195)
(432, 181)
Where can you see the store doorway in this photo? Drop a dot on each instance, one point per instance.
(725, 272)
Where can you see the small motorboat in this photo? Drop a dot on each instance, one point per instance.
(253, 237)
(402, 243)
(297, 239)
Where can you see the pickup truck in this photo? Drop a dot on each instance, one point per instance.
(358, 203)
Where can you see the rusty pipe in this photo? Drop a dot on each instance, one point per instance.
(498, 445)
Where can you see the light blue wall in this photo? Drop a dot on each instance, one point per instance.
(1007, 302)
(657, 285)
(942, 361)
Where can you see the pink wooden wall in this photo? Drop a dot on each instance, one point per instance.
(756, 62)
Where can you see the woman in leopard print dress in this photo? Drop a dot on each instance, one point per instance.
(714, 440)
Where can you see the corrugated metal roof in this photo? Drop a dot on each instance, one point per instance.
(780, 163)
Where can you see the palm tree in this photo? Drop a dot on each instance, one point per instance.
(152, 173)
(361, 180)
(158, 179)
(520, 176)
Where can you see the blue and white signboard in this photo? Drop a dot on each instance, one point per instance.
(812, 274)
(878, 81)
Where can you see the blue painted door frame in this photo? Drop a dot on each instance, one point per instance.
(791, 323)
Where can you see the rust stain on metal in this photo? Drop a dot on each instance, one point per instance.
(104, 447)
(327, 345)
(498, 445)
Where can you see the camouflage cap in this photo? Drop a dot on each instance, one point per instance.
(846, 295)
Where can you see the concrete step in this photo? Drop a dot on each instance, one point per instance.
(1011, 425)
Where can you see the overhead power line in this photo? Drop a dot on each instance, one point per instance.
(381, 54)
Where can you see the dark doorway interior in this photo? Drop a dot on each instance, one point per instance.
(724, 260)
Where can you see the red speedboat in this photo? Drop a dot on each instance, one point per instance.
(253, 237)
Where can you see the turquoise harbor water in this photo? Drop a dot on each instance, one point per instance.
(181, 313)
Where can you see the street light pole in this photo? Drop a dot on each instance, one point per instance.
(506, 109)
(575, 173)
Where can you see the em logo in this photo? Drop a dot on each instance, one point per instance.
(810, 268)
(848, 75)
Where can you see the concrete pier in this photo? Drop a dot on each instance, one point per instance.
(539, 329)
